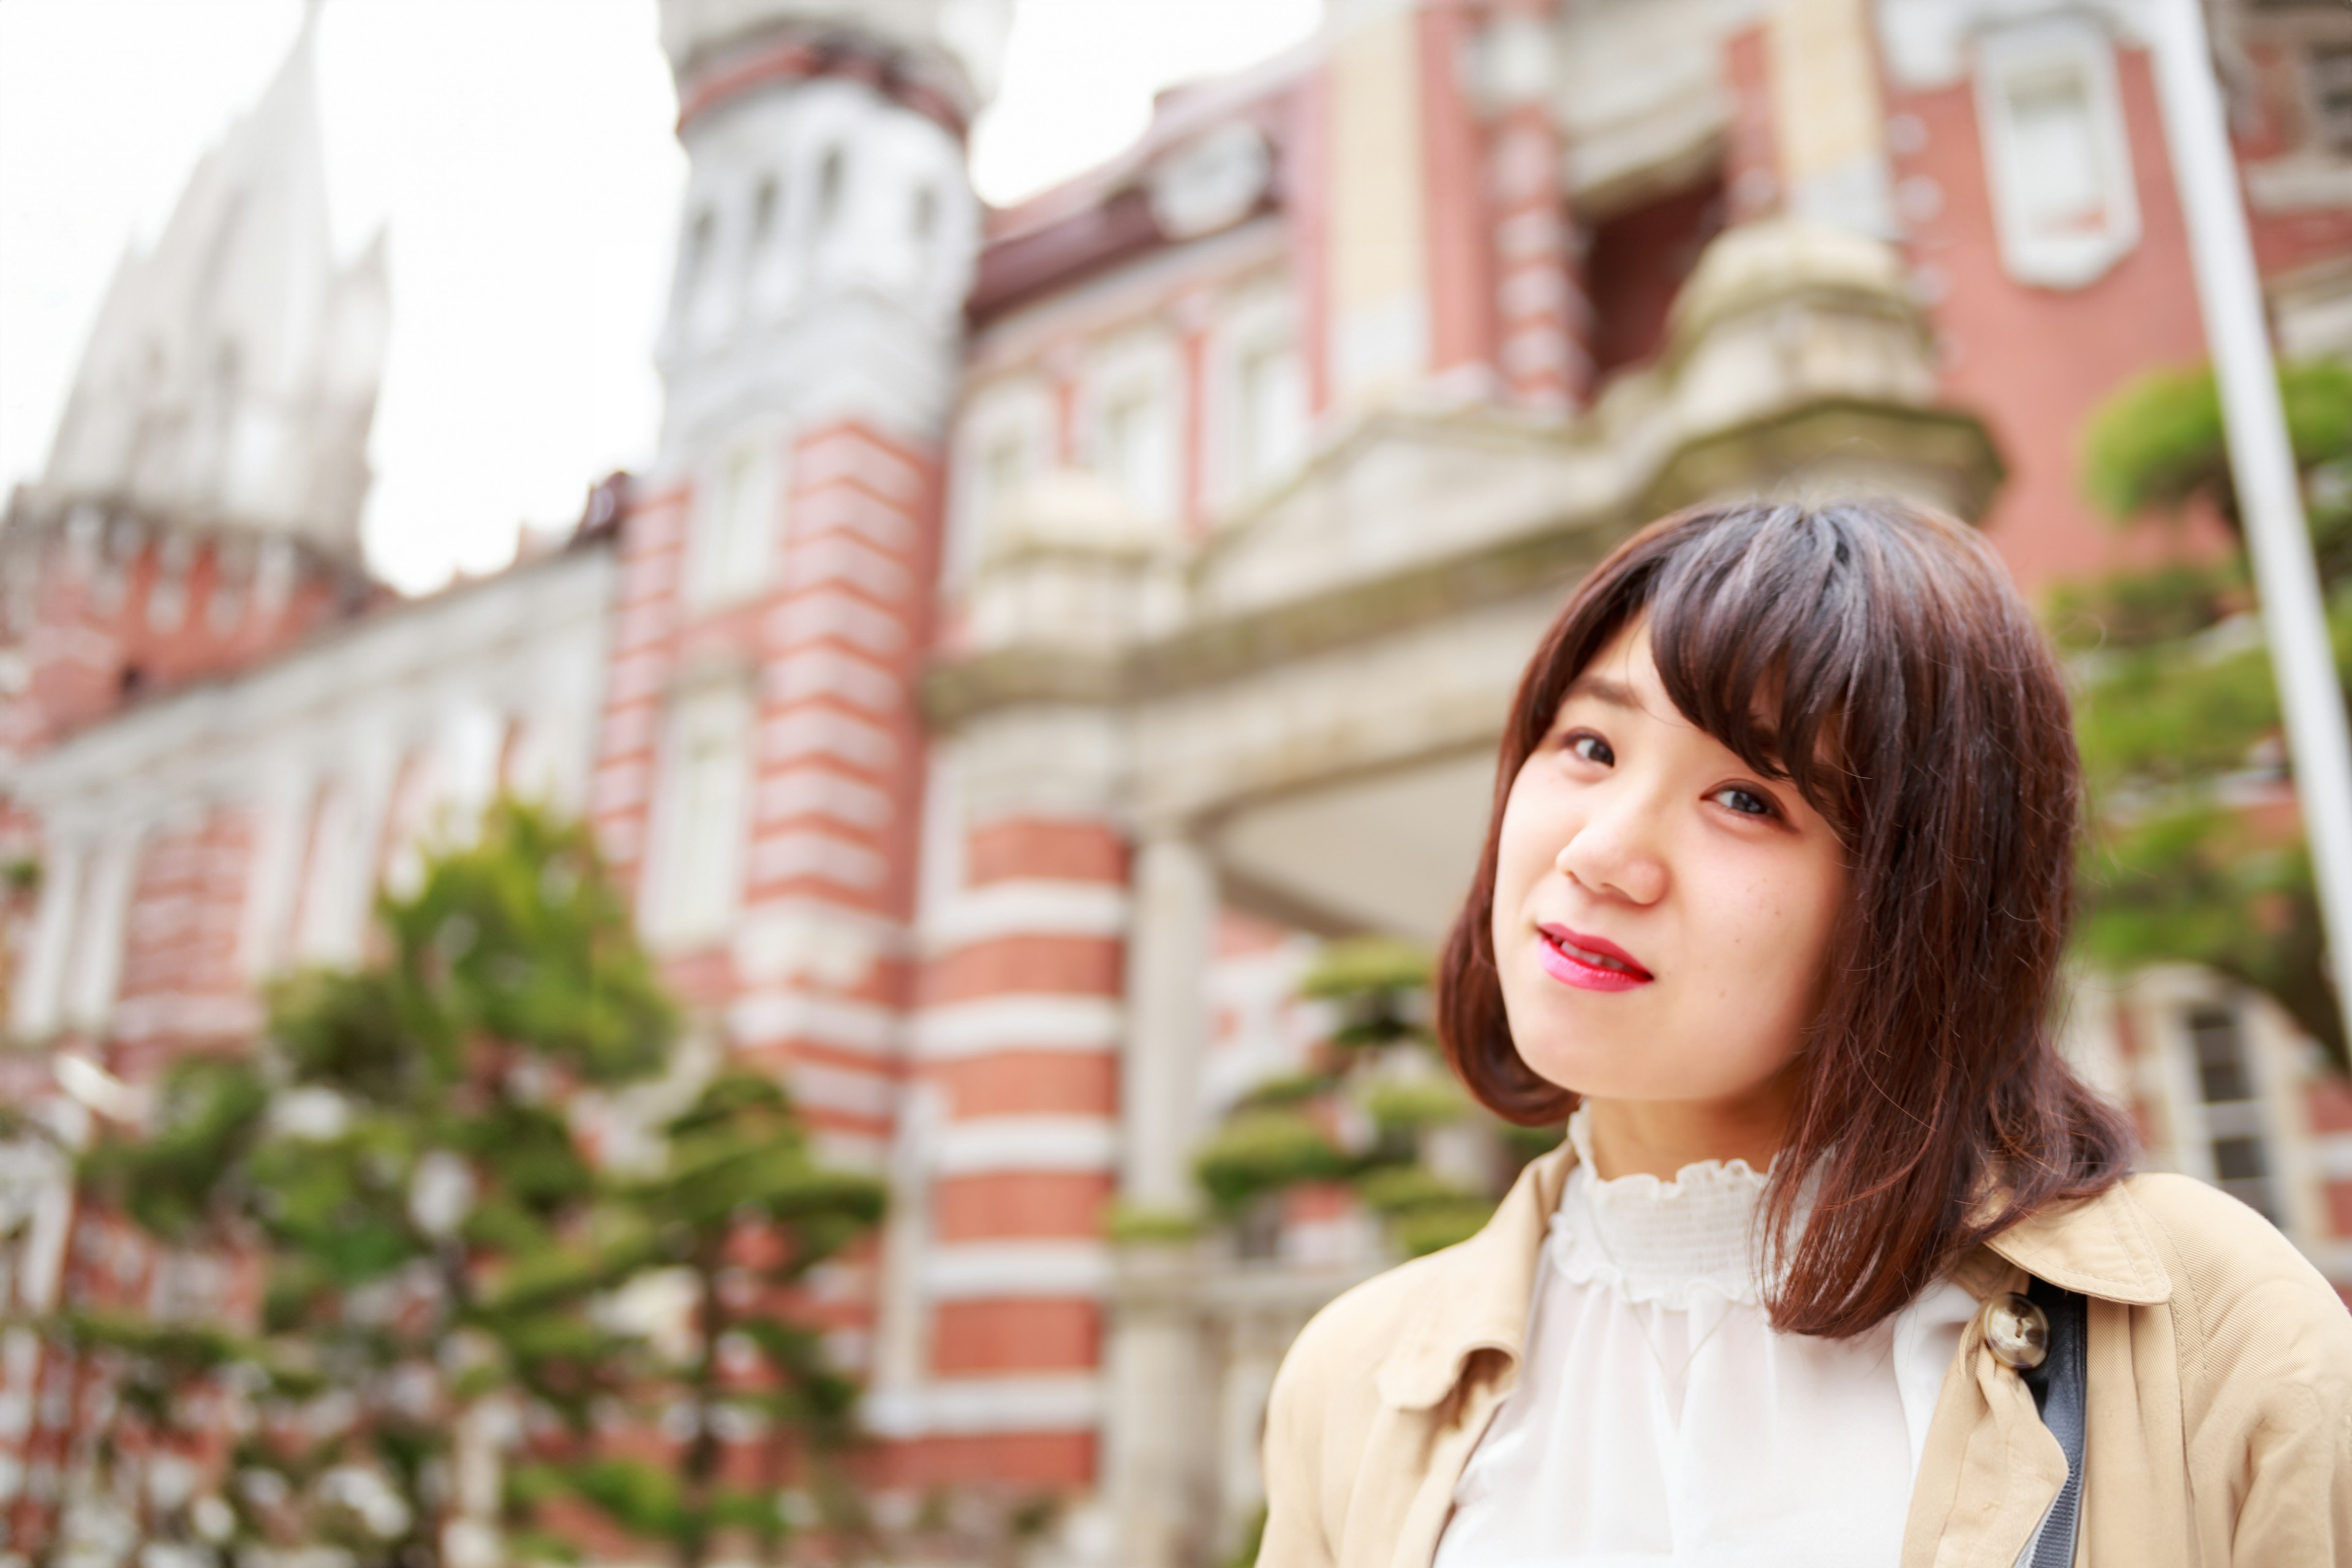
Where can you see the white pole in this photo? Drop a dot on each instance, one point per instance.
(2270, 498)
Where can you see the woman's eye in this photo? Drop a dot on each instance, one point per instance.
(1748, 803)
(1592, 749)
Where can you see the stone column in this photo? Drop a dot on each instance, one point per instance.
(1540, 305)
(1173, 917)
(1829, 120)
(1158, 1407)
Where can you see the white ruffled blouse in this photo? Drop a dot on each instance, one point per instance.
(1659, 1419)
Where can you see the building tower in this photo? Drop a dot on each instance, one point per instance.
(201, 503)
(760, 769)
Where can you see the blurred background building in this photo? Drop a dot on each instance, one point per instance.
(1042, 628)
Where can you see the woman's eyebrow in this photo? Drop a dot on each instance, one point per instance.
(1601, 688)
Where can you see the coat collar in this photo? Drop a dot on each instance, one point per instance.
(1474, 1297)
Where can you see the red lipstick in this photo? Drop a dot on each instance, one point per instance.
(1588, 962)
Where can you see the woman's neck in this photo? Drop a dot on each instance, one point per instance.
(1659, 1137)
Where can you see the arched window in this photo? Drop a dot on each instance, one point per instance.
(696, 250)
(763, 212)
(831, 173)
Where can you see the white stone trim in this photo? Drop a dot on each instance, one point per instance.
(840, 558)
(823, 1087)
(1925, 43)
(843, 864)
(1052, 1402)
(845, 454)
(830, 672)
(1025, 1023)
(768, 1018)
(178, 1014)
(1026, 906)
(819, 792)
(830, 612)
(988, 1144)
(863, 1153)
(821, 733)
(2331, 1156)
(2055, 46)
(1016, 1270)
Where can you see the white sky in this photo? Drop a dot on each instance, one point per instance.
(520, 153)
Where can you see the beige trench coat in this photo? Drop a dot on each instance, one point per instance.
(2220, 1395)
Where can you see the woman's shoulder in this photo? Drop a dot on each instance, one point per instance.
(2256, 1303)
(1353, 1332)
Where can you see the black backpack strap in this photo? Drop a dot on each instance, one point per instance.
(2061, 1393)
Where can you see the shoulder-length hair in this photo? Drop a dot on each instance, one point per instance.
(1877, 658)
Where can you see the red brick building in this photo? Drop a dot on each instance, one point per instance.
(1041, 625)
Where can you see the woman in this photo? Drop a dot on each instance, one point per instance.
(1773, 899)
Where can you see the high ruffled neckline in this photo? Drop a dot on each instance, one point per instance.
(1662, 1241)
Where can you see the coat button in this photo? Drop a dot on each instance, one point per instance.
(2017, 1332)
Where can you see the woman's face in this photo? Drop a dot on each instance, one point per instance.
(1661, 911)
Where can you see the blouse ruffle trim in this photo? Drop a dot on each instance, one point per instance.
(1664, 1242)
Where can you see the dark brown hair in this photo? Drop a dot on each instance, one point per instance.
(1877, 658)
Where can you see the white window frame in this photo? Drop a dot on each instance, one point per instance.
(37, 1002)
(731, 556)
(686, 903)
(1264, 322)
(94, 980)
(1144, 365)
(2009, 57)
(1018, 412)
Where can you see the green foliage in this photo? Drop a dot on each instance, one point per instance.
(2176, 696)
(1402, 1108)
(1131, 1225)
(2159, 441)
(402, 1163)
(738, 1183)
(1265, 1150)
(2135, 609)
(1375, 982)
(1364, 1115)
(209, 1114)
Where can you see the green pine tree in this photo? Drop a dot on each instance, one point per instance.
(436, 1250)
(2176, 701)
(1366, 1114)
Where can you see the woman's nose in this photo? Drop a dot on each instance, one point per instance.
(1613, 854)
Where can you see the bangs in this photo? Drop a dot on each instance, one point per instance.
(1764, 633)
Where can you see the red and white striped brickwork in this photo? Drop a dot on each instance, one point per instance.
(837, 775)
(182, 984)
(1543, 315)
(810, 977)
(1018, 1037)
(105, 611)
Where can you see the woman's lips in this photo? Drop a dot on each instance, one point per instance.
(1587, 962)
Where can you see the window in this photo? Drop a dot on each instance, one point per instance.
(96, 977)
(830, 178)
(1135, 454)
(697, 872)
(1271, 411)
(734, 527)
(763, 213)
(2060, 187)
(697, 249)
(2232, 1106)
(2055, 151)
(1002, 441)
(1003, 468)
(2328, 70)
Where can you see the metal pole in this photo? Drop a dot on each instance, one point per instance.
(2270, 497)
